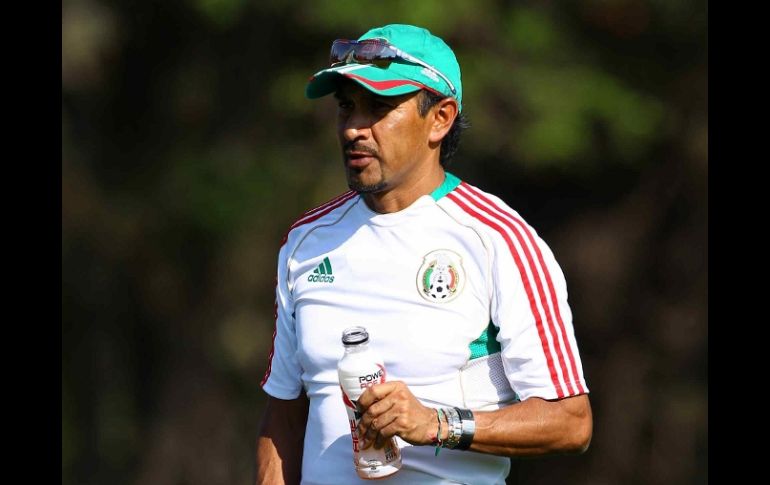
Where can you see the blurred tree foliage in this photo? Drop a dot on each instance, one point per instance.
(188, 148)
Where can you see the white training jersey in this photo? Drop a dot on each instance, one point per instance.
(461, 298)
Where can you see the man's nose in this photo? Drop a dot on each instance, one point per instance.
(357, 126)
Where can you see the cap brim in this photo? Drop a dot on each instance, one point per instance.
(377, 80)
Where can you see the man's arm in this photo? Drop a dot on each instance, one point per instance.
(535, 427)
(280, 441)
(528, 428)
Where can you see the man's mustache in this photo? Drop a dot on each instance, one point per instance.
(354, 147)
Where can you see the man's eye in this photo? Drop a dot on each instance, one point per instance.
(382, 105)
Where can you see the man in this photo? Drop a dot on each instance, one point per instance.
(466, 304)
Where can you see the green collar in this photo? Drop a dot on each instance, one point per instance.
(449, 184)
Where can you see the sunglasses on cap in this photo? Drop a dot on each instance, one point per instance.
(370, 51)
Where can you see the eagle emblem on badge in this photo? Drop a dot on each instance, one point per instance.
(441, 276)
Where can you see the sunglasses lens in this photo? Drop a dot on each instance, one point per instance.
(340, 50)
(369, 50)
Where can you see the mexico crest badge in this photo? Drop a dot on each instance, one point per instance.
(441, 276)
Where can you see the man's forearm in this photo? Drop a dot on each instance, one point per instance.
(535, 427)
(280, 441)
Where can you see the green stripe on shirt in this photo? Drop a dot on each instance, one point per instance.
(486, 344)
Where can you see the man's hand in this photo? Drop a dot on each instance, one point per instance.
(390, 409)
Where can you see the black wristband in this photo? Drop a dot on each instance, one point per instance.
(468, 428)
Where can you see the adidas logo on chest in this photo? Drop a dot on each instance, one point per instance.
(323, 273)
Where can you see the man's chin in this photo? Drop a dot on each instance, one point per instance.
(367, 188)
(362, 187)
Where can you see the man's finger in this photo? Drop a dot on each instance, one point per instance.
(376, 392)
(373, 416)
(377, 409)
(388, 425)
(373, 434)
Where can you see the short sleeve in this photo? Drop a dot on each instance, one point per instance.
(529, 306)
(283, 375)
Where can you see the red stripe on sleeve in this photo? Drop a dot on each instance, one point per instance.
(325, 204)
(527, 288)
(272, 345)
(307, 217)
(329, 206)
(507, 218)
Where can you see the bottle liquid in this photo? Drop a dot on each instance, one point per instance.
(358, 369)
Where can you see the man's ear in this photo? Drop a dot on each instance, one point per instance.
(442, 115)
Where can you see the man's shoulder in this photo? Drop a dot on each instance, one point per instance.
(480, 208)
(319, 215)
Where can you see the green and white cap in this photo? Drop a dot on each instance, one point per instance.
(400, 76)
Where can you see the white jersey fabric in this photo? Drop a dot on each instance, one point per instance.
(461, 298)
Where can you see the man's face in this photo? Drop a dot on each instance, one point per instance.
(384, 139)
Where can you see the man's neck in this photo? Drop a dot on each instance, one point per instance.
(406, 193)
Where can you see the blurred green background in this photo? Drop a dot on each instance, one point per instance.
(188, 148)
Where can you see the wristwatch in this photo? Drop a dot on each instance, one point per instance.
(468, 428)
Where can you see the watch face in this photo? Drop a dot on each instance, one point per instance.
(468, 428)
(465, 414)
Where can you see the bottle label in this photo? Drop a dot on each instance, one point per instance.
(354, 417)
(368, 380)
(356, 385)
(370, 457)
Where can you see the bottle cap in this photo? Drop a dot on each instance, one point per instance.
(354, 336)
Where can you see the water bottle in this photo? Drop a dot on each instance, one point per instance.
(358, 369)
